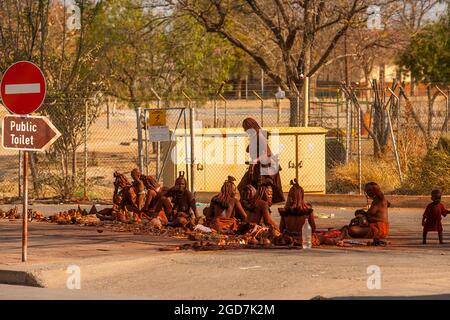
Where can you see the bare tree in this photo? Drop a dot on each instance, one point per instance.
(288, 39)
(36, 31)
(23, 26)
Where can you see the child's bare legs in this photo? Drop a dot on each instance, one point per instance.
(441, 239)
(424, 238)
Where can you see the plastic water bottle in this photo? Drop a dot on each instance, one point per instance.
(306, 235)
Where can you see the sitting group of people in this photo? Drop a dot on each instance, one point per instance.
(228, 213)
(233, 211)
(174, 206)
(237, 209)
(240, 208)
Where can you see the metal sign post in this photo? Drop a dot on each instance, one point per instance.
(139, 136)
(163, 136)
(25, 208)
(192, 118)
(23, 90)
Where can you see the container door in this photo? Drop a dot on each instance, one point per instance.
(183, 148)
(224, 155)
(284, 145)
(311, 162)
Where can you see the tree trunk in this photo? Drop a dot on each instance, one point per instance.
(430, 113)
(66, 174)
(238, 88)
(295, 103)
(74, 169)
(293, 115)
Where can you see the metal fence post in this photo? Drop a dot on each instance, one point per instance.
(108, 113)
(321, 113)
(158, 144)
(246, 87)
(146, 140)
(225, 103)
(337, 115)
(262, 82)
(306, 102)
(85, 151)
(215, 112)
(394, 144)
(139, 137)
(262, 106)
(347, 133)
(359, 152)
(192, 118)
(278, 103)
(446, 109)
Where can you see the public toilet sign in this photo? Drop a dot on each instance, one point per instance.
(28, 133)
(23, 88)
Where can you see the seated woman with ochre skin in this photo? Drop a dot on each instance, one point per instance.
(377, 217)
(294, 215)
(257, 205)
(124, 193)
(225, 208)
(181, 211)
(148, 190)
(139, 188)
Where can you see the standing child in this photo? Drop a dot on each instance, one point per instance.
(432, 216)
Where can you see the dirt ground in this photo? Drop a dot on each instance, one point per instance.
(128, 264)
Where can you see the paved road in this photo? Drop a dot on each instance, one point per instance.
(11, 292)
(131, 265)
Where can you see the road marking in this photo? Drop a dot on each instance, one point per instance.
(23, 88)
(246, 268)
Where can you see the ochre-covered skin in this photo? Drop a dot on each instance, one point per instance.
(294, 215)
(295, 212)
(124, 192)
(225, 208)
(147, 191)
(257, 205)
(377, 216)
(139, 189)
(179, 204)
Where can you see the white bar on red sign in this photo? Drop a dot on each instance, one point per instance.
(23, 88)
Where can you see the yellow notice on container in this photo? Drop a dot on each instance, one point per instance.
(157, 118)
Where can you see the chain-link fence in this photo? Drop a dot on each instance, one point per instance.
(112, 140)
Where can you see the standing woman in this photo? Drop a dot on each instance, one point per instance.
(262, 164)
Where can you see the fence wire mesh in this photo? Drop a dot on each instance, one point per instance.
(112, 140)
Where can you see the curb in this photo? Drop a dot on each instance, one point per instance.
(22, 278)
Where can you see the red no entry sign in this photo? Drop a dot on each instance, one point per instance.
(23, 88)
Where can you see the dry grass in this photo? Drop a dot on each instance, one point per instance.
(411, 145)
(8, 188)
(344, 177)
(428, 173)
